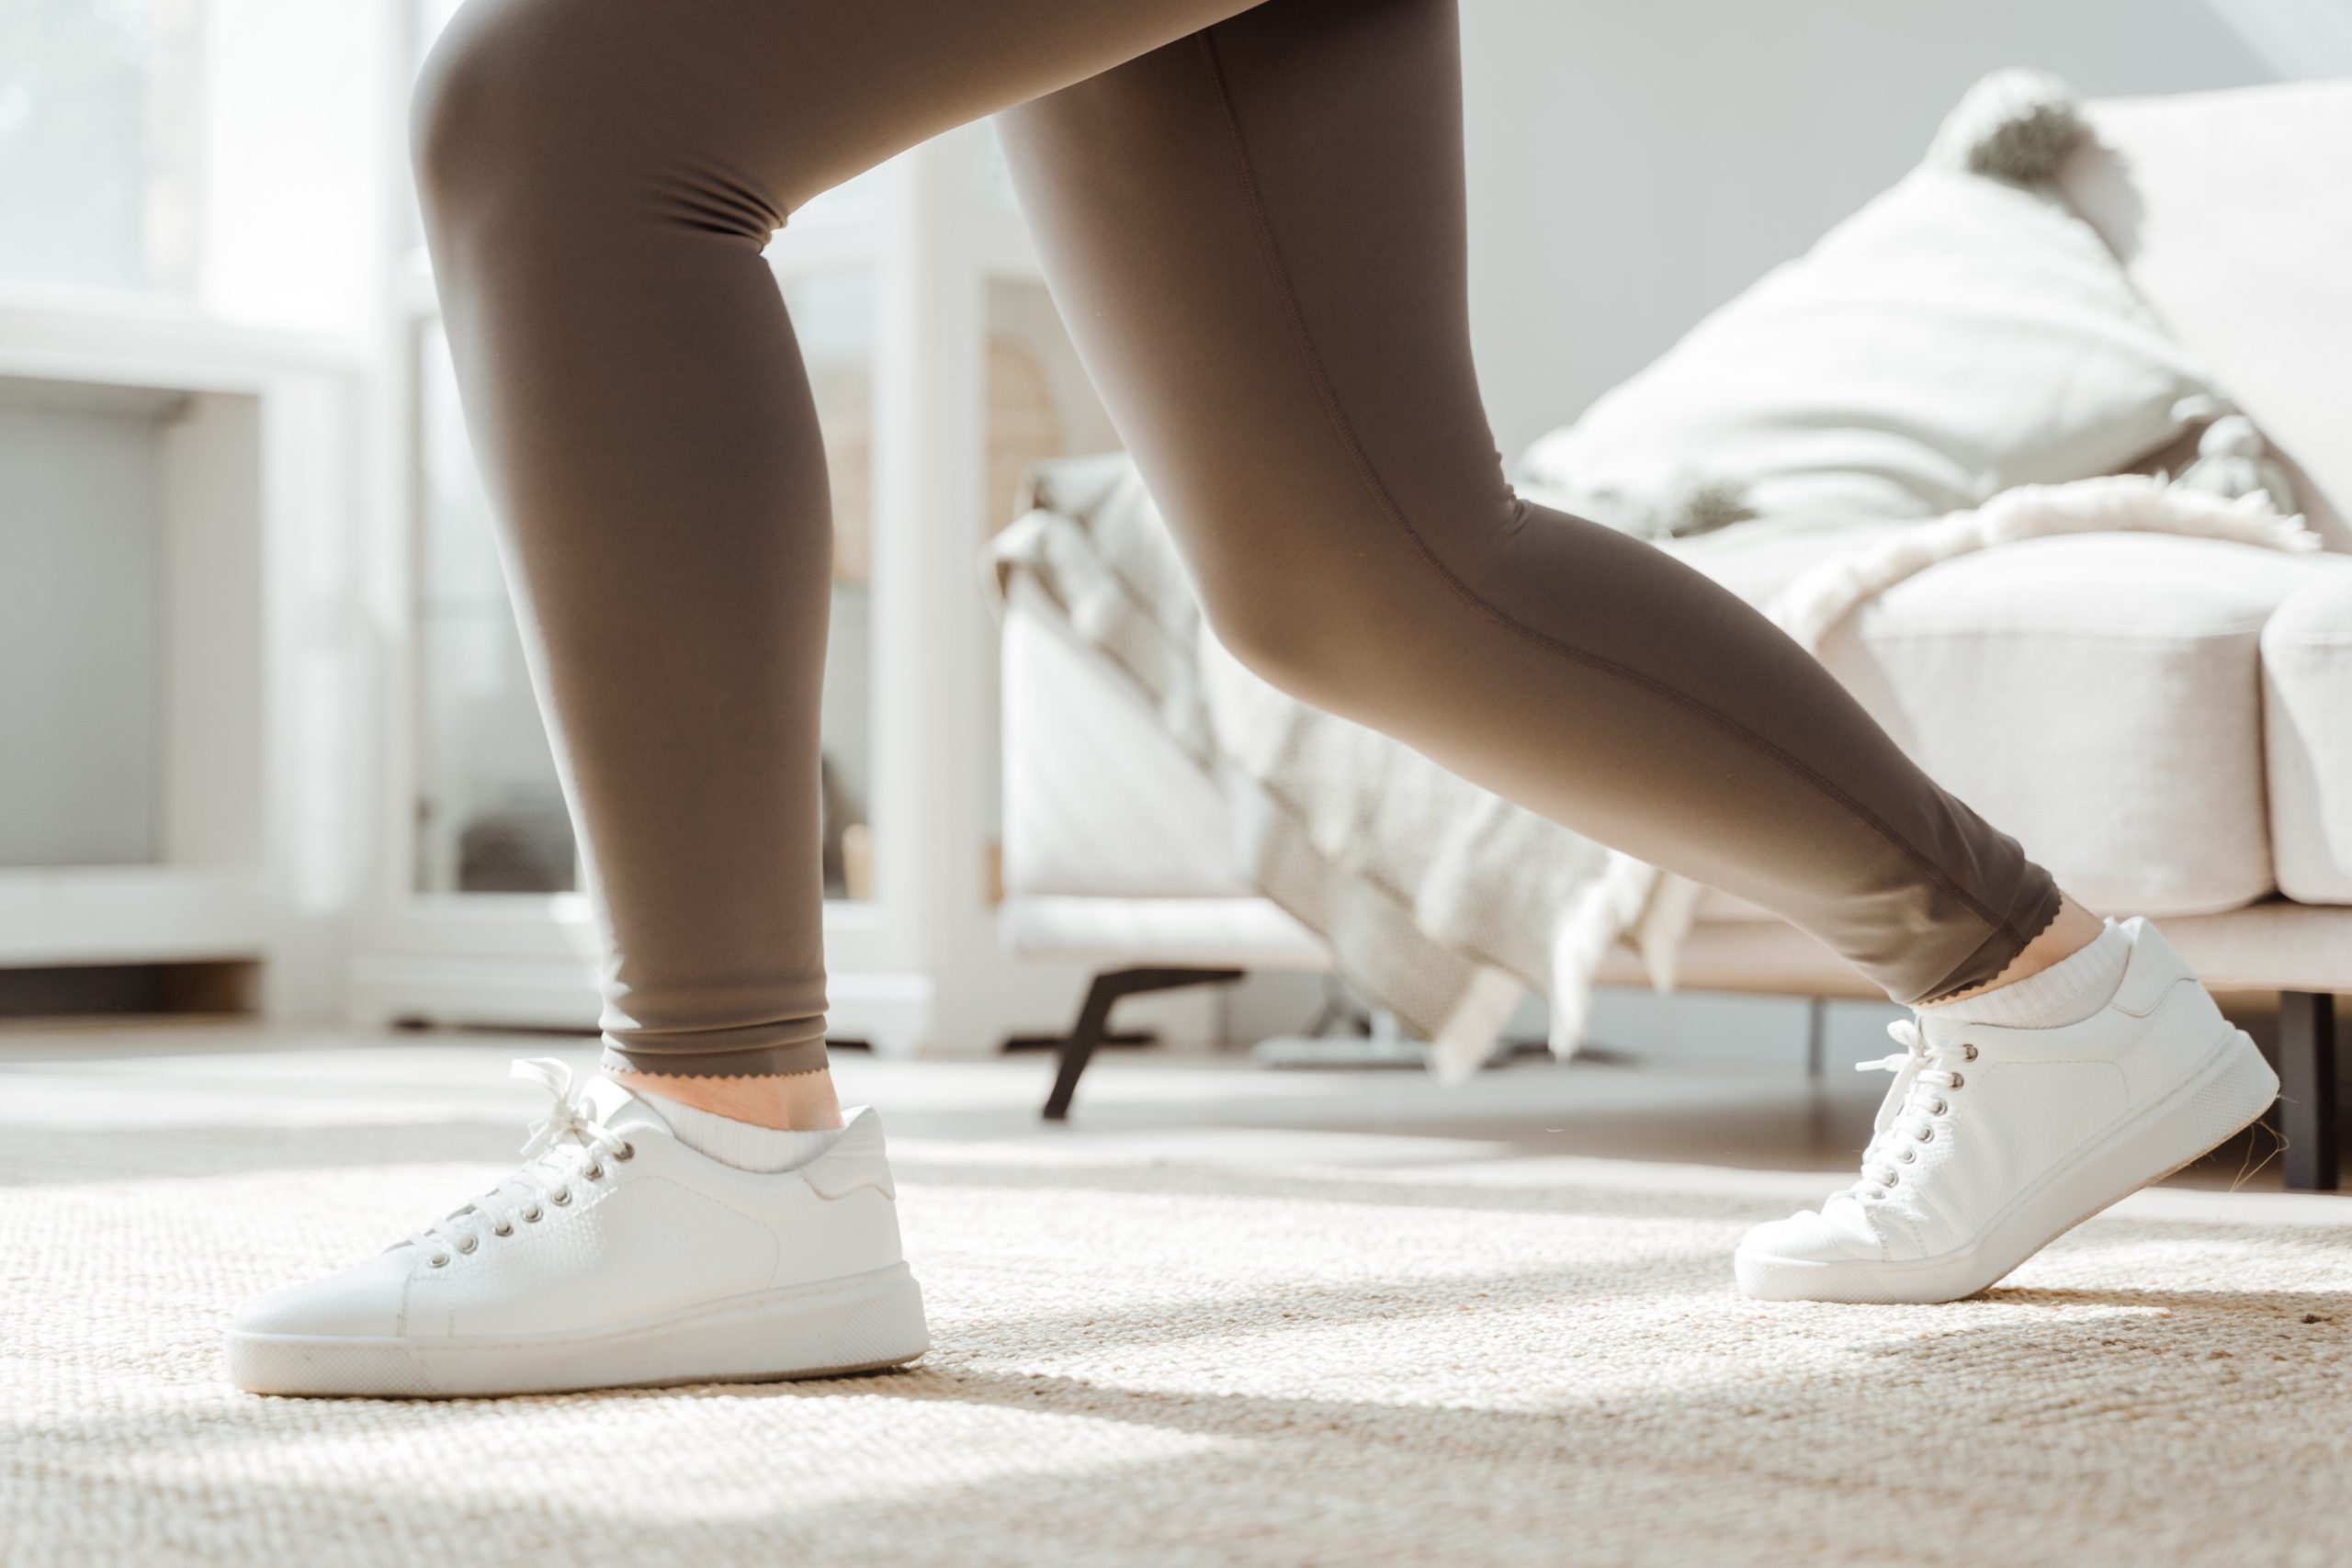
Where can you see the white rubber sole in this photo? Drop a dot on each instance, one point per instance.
(863, 1323)
(2207, 1108)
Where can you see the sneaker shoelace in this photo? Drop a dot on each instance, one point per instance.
(1924, 1076)
(566, 1144)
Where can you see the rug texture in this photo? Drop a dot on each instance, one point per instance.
(1182, 1363)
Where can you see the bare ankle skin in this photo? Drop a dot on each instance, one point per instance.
(2072, 931)
(801, 1102)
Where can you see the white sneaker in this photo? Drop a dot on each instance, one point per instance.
(1994, 1141)
(615, 1255)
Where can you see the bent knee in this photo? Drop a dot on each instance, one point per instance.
(1340, 610)
(522, 114)
(519, 104)
(1295, 631)
(454, 119)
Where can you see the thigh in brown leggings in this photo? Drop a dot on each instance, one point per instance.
(1252, 222)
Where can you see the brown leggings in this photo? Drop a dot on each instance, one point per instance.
(1252, 222)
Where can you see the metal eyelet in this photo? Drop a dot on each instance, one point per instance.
(503, 1230)
(1939, 1107)
(532, 1215)
(468, 1246)
(1908, 1156)
(1968, 1053)
(1957, 1081)
(560, 1198)
(626, 1152)
(1928, 1136)
(1893, 1176)
(596, 1173)
(440, 1260)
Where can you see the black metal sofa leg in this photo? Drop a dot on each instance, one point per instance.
(2307, 1103)
(1094, 1021)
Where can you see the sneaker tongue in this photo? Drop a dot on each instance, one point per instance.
(616, 1108)
(1938, 1027)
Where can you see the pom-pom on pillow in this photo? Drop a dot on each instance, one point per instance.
(1963, 334)
(2016, 125)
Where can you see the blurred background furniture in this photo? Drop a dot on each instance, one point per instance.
(2167, 722)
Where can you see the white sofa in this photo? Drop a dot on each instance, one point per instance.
(2166, 721)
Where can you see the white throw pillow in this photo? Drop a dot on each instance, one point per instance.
(1958, 336)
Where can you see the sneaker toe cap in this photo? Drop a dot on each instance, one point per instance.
(362, 1302)
(1840, 1234)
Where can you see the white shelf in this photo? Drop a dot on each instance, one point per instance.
(138, 914)
(248, 675)
(70, 337)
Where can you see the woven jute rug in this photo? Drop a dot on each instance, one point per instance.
(1184, 1363)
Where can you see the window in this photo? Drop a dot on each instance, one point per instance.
(97, 166)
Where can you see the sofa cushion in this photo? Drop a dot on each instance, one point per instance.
(2098, 696)
(2307, 731)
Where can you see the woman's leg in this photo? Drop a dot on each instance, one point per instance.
(598, 178)
(1257, 236)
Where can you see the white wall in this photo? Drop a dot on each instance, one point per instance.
(1633, 165)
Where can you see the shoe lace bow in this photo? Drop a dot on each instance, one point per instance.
(1924, 1075)
(565, 1144)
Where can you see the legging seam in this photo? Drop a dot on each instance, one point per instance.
(1270, 255)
